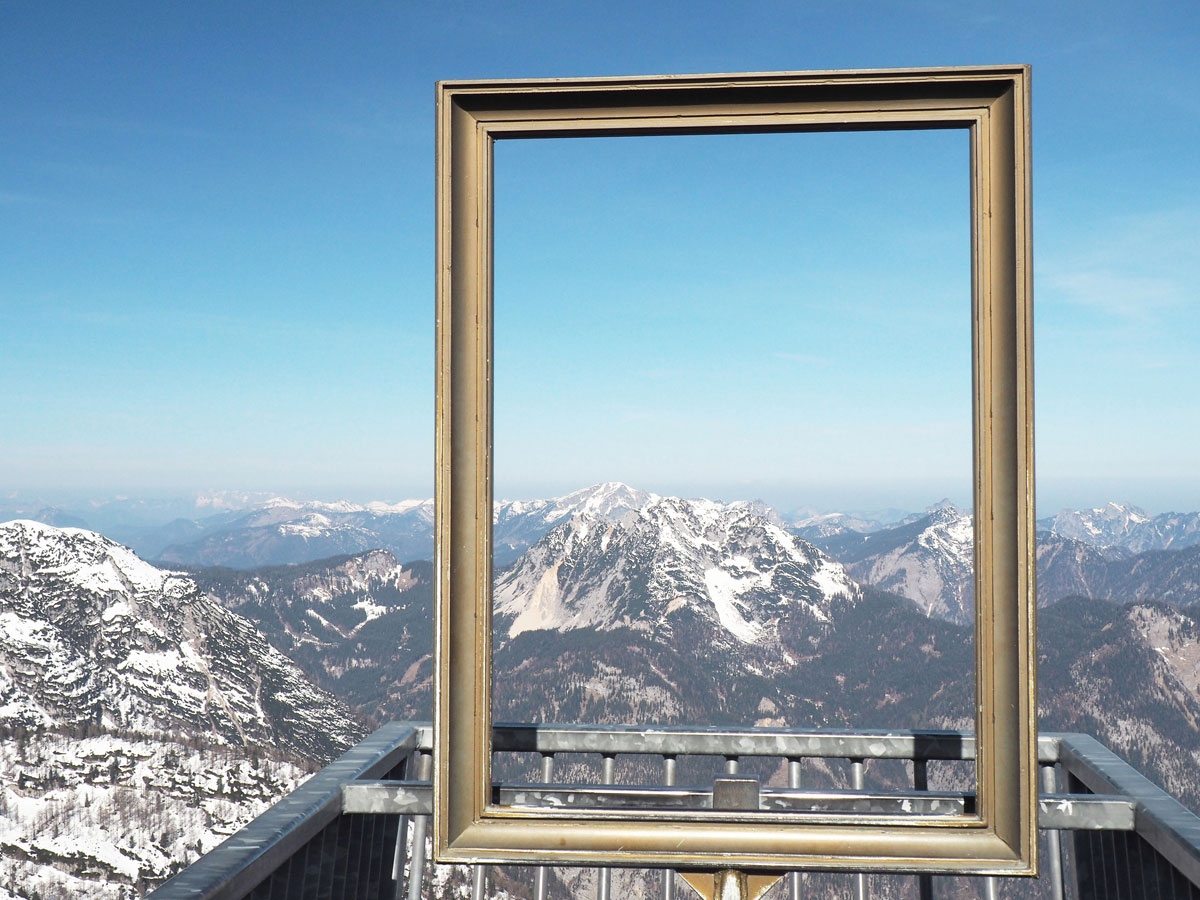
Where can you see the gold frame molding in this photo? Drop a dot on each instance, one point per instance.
(993, 104)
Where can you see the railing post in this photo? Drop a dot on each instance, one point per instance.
(1053, 838)
(794, 783)
(416, 863)
(668, 875)
(604, 879)
(398, 859)
(857, 781)
(921, 783)
(478, 882)
(542, 871)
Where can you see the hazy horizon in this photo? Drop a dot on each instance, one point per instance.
(1154, 498)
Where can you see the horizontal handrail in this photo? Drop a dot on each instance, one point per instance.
(834, 743)
(1056, 811)
(790, 743)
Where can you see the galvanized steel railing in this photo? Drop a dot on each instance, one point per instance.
(344, 833)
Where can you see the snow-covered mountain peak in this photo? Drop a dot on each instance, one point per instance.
(609, 499)
(322, 506)
(951, 532)
(341, 507)
(381, 508)
(1127, 527)
(1122, 511)
(85, 558)
(91, 634)
(1111, 517)
(930, 561)
(225, 500)
(720, 563)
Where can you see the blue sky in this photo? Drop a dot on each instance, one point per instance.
(216, 255)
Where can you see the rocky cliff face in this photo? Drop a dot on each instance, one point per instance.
(142, 722)
(360, 626)
(726, 564)
(92, 635)
(929, 561)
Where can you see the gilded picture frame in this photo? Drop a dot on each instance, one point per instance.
(993, 104)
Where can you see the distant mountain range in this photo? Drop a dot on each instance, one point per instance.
(246, 530)
(284, 531)
(930, 561)
(612, 605)
(1126, 528)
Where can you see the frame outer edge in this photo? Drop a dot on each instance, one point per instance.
(464, 513)
(442, 446)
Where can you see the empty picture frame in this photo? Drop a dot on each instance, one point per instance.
(992, 103)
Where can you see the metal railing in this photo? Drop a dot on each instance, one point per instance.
(358, 828)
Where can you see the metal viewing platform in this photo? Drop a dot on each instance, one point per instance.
(358, 828)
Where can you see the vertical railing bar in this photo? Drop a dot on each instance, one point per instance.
(1152, 865)
(383, 869)
(350, 887)
(272, 881)
(295, 877)
(416, 862)
(362, 851)
(1135, 852)
(604, 876)
(1053, 838)
(989, 887)
(328, 860)
(1122, 883)
(857, 781)
(312, 862)
(398, 857)
(921, 783)
(540, 885)
(794, 885)
(668, 875)
(312, 865)
(342, 855)
(731, 765)
(1071, 876)
(398, 860)
(478, 882)
(1117, 848)
(264, 890)
(281, 880)
(372, 857)
(1106, 860)
(1168, 875)
(1097, 871)
(367, 841)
